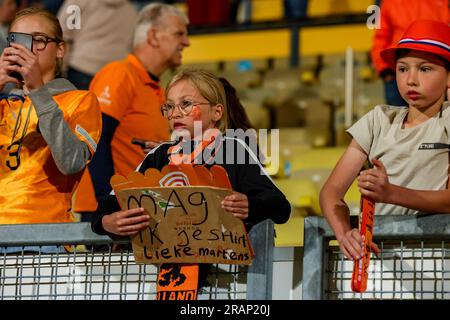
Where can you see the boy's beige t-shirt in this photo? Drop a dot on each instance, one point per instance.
(415, 158)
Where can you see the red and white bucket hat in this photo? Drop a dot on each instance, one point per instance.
(422, 35)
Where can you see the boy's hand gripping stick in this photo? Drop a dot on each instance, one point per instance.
(361, 266)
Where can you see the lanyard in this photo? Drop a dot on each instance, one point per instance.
(176, 155)
(18, 116)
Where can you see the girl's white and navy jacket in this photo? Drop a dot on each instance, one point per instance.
(244, 170)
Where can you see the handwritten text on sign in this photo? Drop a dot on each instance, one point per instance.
(187, 225)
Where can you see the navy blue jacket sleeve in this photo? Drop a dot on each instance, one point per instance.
(101, 167)
(108, 204)
(266, 201)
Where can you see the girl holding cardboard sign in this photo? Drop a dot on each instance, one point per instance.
(196, 110)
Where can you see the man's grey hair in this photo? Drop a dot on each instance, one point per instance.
(151, 15)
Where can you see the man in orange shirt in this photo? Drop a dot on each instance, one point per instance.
(396, 16)
(130, 98)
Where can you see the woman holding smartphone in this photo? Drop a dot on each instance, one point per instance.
(49, 130)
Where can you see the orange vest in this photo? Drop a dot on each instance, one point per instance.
(397, 15)
(32, 189)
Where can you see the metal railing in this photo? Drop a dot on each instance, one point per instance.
(414, 262)
(92, 269)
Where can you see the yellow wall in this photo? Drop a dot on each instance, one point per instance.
(327, 7)
(263, 10)
(276, 43)
(235, 46)
(329, 40)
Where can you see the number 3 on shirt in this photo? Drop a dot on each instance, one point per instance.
(13, 162)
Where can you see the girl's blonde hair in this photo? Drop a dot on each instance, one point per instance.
(209, 86)
(54, 22)
(55, 26)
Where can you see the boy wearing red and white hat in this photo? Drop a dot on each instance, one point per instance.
(408, 146)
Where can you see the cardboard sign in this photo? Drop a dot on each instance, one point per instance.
(187, 223)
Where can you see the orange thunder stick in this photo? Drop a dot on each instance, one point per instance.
(361, 266)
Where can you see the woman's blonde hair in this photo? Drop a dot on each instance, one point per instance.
(55, 26)
(54, 22)
(209, 86)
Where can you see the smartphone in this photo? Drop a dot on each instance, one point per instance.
(139, 142)
(24, 39)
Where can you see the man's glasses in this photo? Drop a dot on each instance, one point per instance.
(185, 106)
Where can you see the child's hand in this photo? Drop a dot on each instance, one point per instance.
(126, 222)
(150, 145)
(146, 145)
(352, 244)
(237, 204)
(374, 183)
(26, 63)
(5, 69)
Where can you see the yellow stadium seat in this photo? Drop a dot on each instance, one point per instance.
(300, 193)
(290, 234)
(310, 170)
(316, 165)
(318, 158)
(303, 196)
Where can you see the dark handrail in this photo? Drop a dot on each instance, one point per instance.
(330, 20)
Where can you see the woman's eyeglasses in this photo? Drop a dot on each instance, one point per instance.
(40, 42)
(185, 106)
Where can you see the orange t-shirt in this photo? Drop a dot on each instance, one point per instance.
(397, 15)
(128, 94)
(32, 189)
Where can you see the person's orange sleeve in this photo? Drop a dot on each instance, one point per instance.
(382, 39)
(113, 87)
(86, 121)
